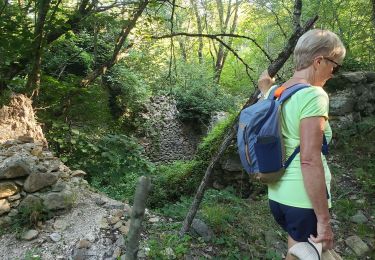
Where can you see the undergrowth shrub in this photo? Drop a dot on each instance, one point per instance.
(355, 145)
(198, 95)
(182, 178)
(113, 161)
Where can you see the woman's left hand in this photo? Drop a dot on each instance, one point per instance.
(265, 82)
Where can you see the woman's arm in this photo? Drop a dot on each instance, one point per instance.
(311, 132)
(265, 82)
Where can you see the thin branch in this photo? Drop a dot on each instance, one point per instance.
(3, 8)
(172, 44)
(297, 14)
(215, 37)
(277, 21)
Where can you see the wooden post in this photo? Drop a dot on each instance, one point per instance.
(138, 211)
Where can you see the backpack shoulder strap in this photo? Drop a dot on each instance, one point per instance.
(288, 92)
(271, 95)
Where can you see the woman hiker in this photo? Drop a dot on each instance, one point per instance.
(300, 201)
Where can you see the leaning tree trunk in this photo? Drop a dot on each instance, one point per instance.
(117, 54)
(33, 81)
(274, 67)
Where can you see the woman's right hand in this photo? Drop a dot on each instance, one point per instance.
(325, 235)
(265, 82)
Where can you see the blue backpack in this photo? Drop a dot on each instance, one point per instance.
(259, 139)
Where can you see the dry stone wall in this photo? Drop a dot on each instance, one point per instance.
(166, 138)
(352, 96)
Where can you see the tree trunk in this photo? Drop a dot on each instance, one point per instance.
(272, 70)
(199, 28)
(117, 55)
(33, 81)
(73, 22)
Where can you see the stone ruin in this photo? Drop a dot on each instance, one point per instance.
(167, 139)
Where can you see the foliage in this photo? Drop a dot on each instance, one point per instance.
(362, 160)
(127, 94)
(197, 95)
(113, 161)
(211, 142)
(169, 246)
(180, 178)
(65, 101)
(238, 225)
(171, 181)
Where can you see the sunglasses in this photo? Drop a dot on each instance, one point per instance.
(335, 69)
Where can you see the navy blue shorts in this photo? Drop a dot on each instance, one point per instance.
(300, 223)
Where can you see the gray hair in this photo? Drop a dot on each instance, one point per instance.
(316, 43)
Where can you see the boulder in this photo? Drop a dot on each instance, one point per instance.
(58, 200)
(200, 228)
(7, 189)
(13, 167)
(359, 247)
(30, 234)
(31, 201)
(4, 206)
(39, 180)
(341, 103)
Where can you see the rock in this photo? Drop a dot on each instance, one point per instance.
(41, 168)
(154, 220)
(114, 204)
(117, 213)
(341, 103)
(78, 173)
(58, 200)
(37, 151)
(124, 230)
(5, 221)
(31, 201)
(354, 77)
(30, 234)
(4, 206)
(15, 203)
(120, 242)
(116, 253)
(103, 224)
(13, 167)
(39, 180)
(13, 213)
(14, 197)
(359, 218)
(118, 225)
(370, 76)
(20, 182)
(232, 163)
(60, 224)
(199, 227)
(55, 237)
(170, 253)
(113, 220)
(7, 189)
(84, 244)
(79, 254)
(91, 237)
(60, 185)
(26, 139)
(357, 245)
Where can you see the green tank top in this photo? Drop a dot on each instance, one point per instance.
(308, 102)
